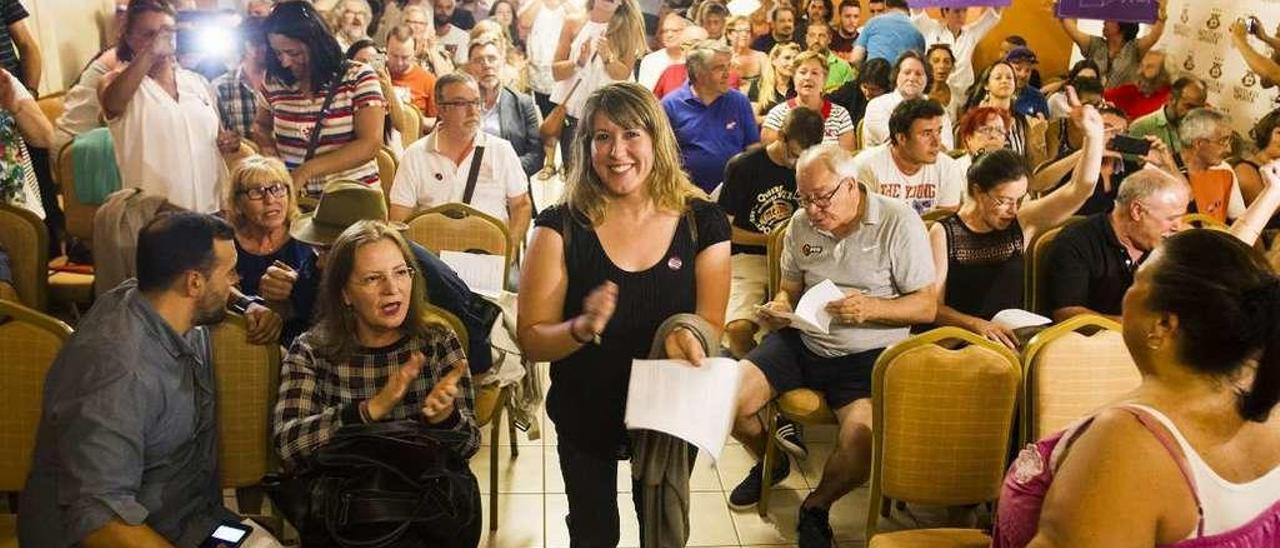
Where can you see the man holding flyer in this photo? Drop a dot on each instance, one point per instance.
(874, 250)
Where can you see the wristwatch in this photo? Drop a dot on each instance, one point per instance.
(242, 304)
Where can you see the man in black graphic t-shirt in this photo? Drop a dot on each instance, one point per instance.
(759, 196)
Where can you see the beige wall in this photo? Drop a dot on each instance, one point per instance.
(70, 32)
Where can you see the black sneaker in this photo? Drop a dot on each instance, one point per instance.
(790, 436)
(747, 493)
(813, 529)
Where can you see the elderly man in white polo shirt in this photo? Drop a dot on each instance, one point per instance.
(875, 250)
(437, 168)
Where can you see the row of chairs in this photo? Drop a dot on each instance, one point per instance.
(247, 374)
(948, 405)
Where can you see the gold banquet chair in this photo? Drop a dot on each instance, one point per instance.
(79, 215)
(1072, 369)
(459, 227)
(489, 403)
(248, 380)
(412, 130)
(942, 420)
(1200, 220)
(26, 240)
(29, 342)
(387, 166)
(801, 405)
(1035, 277)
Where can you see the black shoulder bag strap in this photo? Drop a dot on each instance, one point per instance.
(314, 141)
(473, 175)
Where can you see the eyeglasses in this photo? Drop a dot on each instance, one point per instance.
(378, 279)
(276, 190)
(1003, 203)
(476, 104)
(992, 131)
(821, 201)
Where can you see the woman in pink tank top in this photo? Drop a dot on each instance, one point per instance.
(1191, 459)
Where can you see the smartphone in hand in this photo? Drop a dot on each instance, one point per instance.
(1125, 144)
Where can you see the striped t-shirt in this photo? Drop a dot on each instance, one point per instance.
(294, 117)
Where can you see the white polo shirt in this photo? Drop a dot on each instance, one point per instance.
(427, 178)
(940, 184)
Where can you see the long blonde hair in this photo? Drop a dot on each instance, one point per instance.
(767, 91)
(257, 170)
(631, 106)
(626, 29)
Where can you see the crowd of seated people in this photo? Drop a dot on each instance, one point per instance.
(869, 148)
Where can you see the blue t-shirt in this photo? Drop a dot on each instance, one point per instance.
(709, 135)
(302, 259)
(889, 34)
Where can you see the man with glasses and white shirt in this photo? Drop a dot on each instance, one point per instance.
(875, 250)
(458, 163)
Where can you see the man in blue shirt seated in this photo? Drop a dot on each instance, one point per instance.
(887, 35)
(342, 204)
(1029, 101)
(126, 451)
(712, 122)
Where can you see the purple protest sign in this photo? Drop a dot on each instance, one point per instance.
(918, 4)
(1132, 11)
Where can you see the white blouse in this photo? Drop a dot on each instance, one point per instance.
(169, 147)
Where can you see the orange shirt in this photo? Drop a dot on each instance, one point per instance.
(422, 88)
(1211, 189)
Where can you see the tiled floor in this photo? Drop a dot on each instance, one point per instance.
(532, 504)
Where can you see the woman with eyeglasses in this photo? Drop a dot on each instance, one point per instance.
(305, 70)
(981, 130)
(259, 204)
(376, 354)
(978, 252)
(162, 117)
(747, 63)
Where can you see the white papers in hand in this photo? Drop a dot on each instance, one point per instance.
(693, 403)
(1016, 318)
(481, 273)
(811, 312)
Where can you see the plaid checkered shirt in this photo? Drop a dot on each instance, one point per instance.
(317, 397)
(236, 102)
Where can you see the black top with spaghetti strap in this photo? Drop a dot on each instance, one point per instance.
(588, 391)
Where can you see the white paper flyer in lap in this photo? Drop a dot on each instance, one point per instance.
(811, 312)
(693, 403)
(482, 273)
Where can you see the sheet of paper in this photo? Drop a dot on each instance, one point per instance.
(693, 403)
(1016, 318)
(481, 273)
(812, 308)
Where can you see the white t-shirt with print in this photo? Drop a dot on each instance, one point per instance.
(940, 184)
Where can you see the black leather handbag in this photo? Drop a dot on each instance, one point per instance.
(381, 485)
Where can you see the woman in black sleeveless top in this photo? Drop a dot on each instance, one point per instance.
(978, 252)
(633, 243)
